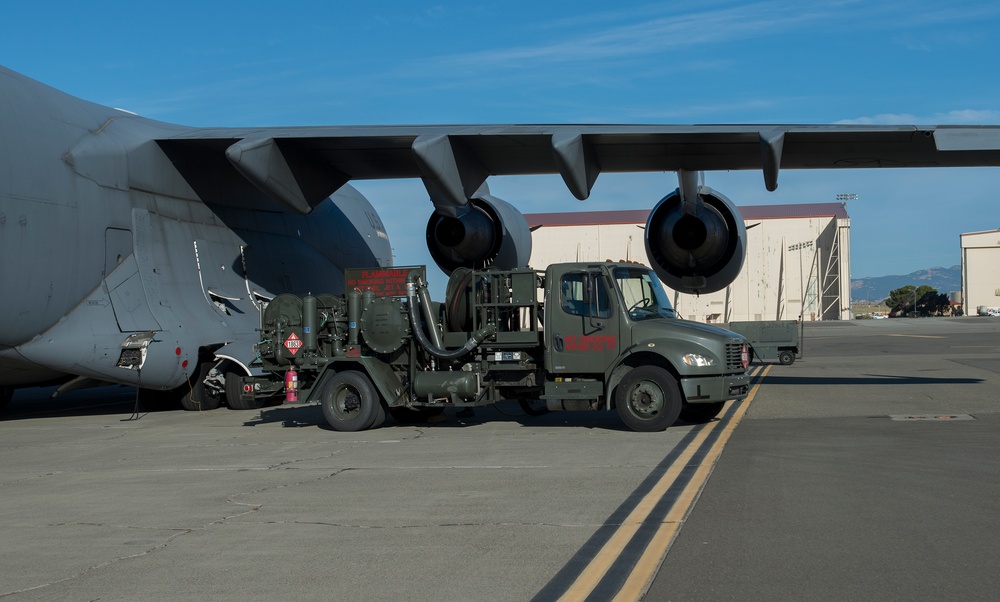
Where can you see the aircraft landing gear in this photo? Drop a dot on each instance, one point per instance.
(194, 395)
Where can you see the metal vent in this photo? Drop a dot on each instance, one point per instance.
(734, 353)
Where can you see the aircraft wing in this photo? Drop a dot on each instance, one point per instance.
(302, 166)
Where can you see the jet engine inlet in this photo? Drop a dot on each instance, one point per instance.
(696, 248)
(486, 232)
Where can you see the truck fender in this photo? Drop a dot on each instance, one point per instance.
(632, 358)
(385, 380)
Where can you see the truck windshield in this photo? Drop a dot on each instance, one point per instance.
(642, 294)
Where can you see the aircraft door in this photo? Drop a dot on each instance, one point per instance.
(128, 299)
(124, 285)
(583, 328)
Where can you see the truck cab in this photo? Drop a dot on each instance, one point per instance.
(613, 323)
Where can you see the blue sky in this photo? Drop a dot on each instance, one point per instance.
(710, 61)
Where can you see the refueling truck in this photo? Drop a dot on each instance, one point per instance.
(576, 336)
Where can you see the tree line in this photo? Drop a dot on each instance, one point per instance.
(909, 300)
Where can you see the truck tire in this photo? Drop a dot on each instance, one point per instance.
(6, 394)
(648, 399)
(786, 358)
(380, 415)
(696, 413)
(350, 401)
(233, 395)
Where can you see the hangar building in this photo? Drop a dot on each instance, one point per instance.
(797, 265)
(980, 270)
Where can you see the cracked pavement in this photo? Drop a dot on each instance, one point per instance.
(272, 505)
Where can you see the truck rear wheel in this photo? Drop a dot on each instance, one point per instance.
(350, 402)
(648, 399)
(234, 399)
(786, 358)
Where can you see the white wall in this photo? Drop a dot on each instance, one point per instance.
(980, 270)
(775, 283)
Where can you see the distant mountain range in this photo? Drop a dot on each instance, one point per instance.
(945, 280)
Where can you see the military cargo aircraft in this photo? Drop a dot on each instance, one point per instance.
(140, 253)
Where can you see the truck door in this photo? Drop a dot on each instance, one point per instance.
(582, 329)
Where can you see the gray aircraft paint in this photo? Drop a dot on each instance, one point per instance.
(102, 237)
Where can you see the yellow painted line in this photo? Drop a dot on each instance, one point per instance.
(649, 563)
(601, 563)
(598, 567)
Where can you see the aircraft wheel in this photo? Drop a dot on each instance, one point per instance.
(786, 358)
(701, 412)
(648, 399)
(195, 396)
(350, 401)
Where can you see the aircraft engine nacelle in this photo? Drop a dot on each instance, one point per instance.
(700, 251)
(487, 232)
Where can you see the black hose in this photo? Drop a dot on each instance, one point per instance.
(477, 337)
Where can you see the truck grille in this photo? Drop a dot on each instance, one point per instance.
(734, 356)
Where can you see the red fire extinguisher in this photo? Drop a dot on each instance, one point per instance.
(291, 386)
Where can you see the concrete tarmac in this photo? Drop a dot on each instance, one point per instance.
(870, 470)
(867, 469)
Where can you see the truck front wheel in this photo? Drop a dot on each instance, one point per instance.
(350, 402)
(648, 399)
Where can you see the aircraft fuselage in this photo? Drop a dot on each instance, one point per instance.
(102, 238)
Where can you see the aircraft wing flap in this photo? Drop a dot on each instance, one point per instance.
(967, 138)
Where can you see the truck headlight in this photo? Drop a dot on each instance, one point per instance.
(698, 361)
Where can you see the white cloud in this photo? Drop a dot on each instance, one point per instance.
(957, 117)
(643, 37)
